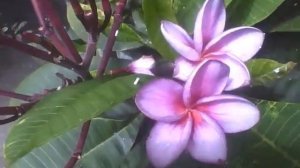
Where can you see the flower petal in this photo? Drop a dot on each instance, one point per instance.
(242, 42)
(142, 65)
(167, 141)
(209, 78)
(161, 100)
(210, 22)
(238, 76)
(179, 40)
(208, 143)
(232, 113)
(183, 68)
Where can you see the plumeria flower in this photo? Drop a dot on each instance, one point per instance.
(193, 116)
(232, 47)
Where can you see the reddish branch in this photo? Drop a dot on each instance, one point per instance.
(14, 111)
(80, 144)
(44, 55)
(107, 52)
(53, 29)
(15, 95)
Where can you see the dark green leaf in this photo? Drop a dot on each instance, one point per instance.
(109, 146)
(250, 12)
(265, 71)
(64, 110)
(136, 158)
(274, 142)
(284, 19)
(154, 12)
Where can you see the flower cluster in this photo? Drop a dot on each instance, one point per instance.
(192, 113)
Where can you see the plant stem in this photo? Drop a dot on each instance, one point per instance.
(89, 52)
(54, 30)
(107, 52)
(44, 55)
(107, 13)
(79, 12)
(16, 111)
(80, 144)
(15, 95)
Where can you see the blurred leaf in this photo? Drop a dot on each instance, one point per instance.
(292, 25)
(111, 147)
(274, 142)
(186, 12)
(136, 158)
(265, 71)
(154, 12)
(64, 110)
(284, 19)
(251, 11)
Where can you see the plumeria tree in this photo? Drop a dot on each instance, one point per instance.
(152, 83)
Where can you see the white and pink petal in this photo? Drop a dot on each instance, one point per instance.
(209, 78)
(242, 42)
(208, 142)
(167, 141)
(239, 75)
(161, 100)
(210, 22)
(183, 68)
(178, 38)
(232, 113)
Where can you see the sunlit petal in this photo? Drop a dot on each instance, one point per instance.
(179, 40)
(232, 113)
(242, 42)
(167, 141)
(208, 143)
(142, 65)
(209, 78)
(161, 100)
(210, 22)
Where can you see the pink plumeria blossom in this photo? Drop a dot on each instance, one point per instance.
(232, 47)
(194, 115)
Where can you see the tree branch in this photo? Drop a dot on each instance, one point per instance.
(54, 30)
(44, 55)
(107, 52)
(15, 95)
(80, 144)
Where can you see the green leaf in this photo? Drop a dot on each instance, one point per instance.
(57, 151)
(291, 25)
(274, 142)
(127, 37)
(109, 151)
(284, 19)
(136, 158)
(186, 12)
(64, 110)
(265, 71)
(250, 12)
(154, 12)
